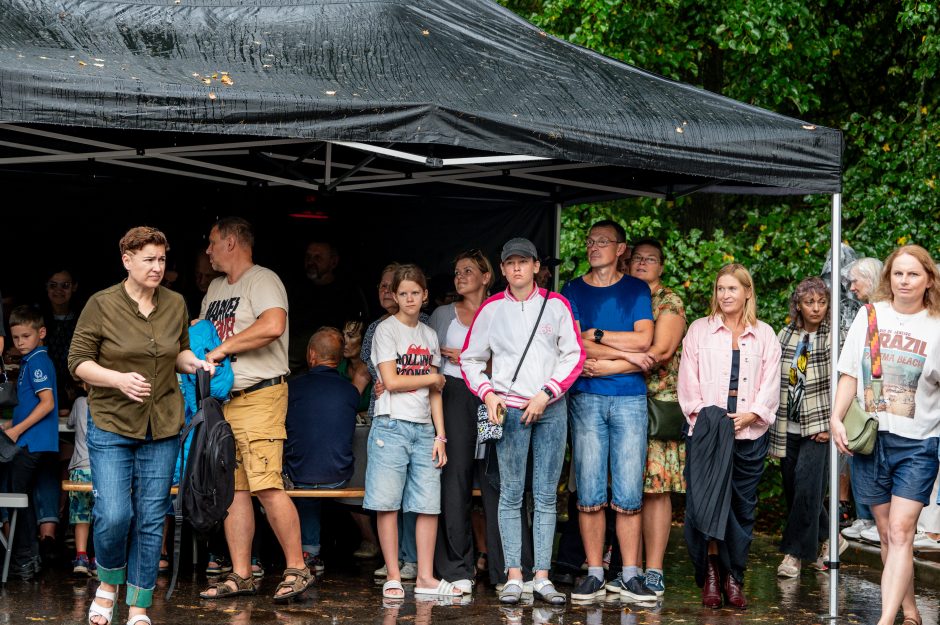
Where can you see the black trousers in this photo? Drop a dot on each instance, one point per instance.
(488, 478)
(805, 472)
(454, 553)
(23, 473)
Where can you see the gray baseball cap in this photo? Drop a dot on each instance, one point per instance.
(518, 247)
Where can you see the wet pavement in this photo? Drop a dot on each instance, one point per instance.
(353, 596)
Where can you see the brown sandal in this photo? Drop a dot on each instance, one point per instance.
(303, 579)
(912, 621)
(243, 586)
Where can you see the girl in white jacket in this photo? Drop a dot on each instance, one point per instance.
(531, 404)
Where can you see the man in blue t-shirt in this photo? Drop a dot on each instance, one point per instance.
(607, 409)
(321, 423)
(35, 428)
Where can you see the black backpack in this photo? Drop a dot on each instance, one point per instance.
(207, 472)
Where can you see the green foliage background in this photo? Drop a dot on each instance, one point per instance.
(867, 67)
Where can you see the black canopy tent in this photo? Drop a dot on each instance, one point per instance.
(446, 102)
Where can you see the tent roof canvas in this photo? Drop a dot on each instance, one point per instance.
(436, 78)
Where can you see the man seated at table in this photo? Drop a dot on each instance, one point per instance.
(321, 422)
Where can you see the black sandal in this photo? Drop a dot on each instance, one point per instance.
(243, 586)
(303, 579)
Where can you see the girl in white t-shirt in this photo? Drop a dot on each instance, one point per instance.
(896, 479)
(407, 441)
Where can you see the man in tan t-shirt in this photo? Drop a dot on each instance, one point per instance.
(248, 306)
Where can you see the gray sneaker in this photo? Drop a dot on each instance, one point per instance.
(383, 570)
(409, 570)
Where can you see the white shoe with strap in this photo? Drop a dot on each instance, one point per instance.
(96, 609)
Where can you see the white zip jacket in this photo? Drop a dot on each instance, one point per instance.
(501, 329)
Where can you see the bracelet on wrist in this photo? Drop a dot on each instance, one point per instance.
(443, 439)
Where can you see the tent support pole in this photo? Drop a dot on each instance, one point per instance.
(835, 314)
(557, 252)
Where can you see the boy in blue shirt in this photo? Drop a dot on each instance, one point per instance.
(35, 427)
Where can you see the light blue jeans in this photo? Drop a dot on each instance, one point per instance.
(547, 438)
(609, 430)
(132, 491)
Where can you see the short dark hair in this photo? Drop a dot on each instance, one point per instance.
(652, 243)
(27, 316)
(610, 223)
(238, 227)
(137, 238)
(808, 286)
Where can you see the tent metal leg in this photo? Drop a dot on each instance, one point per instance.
(557, 251)
(835, 315)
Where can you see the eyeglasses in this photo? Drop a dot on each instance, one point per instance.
(59, 285)
(641, 260)
(384, 286)
(601, 243)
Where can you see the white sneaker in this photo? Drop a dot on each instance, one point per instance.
(409, 570)
(465, 585)
(923, 542)
(790, 567)
(820, 564)
(858, 526)
(871, 535)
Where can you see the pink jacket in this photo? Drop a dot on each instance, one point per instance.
(705, 371)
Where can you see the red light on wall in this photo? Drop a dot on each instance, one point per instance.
(309, 215)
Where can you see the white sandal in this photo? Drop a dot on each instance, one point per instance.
(139, 618)
(96, 609)
(390, 585)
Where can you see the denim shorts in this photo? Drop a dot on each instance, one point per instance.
(80, 503)
(608, 431)
(400, 474)
(899, 467)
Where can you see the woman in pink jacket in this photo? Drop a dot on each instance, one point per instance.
(730, 362)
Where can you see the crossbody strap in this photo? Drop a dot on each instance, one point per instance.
(873, 339)
(531, 336)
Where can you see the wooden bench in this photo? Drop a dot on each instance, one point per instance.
(333, 493)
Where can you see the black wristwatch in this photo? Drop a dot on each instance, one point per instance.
(598, 335)
(548, 392)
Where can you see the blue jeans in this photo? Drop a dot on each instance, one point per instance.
(547, 437)
(308, 509)
(132, 491)
(407, 541)
(609, 430)
(47, 491)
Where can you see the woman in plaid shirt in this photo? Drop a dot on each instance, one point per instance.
(800, 434)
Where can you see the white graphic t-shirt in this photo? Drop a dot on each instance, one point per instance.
(234, 307)
(910, 370)
(414, 351)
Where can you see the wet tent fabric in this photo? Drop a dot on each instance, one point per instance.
(465, 74)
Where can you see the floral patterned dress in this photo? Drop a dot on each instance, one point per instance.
(665, 460)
